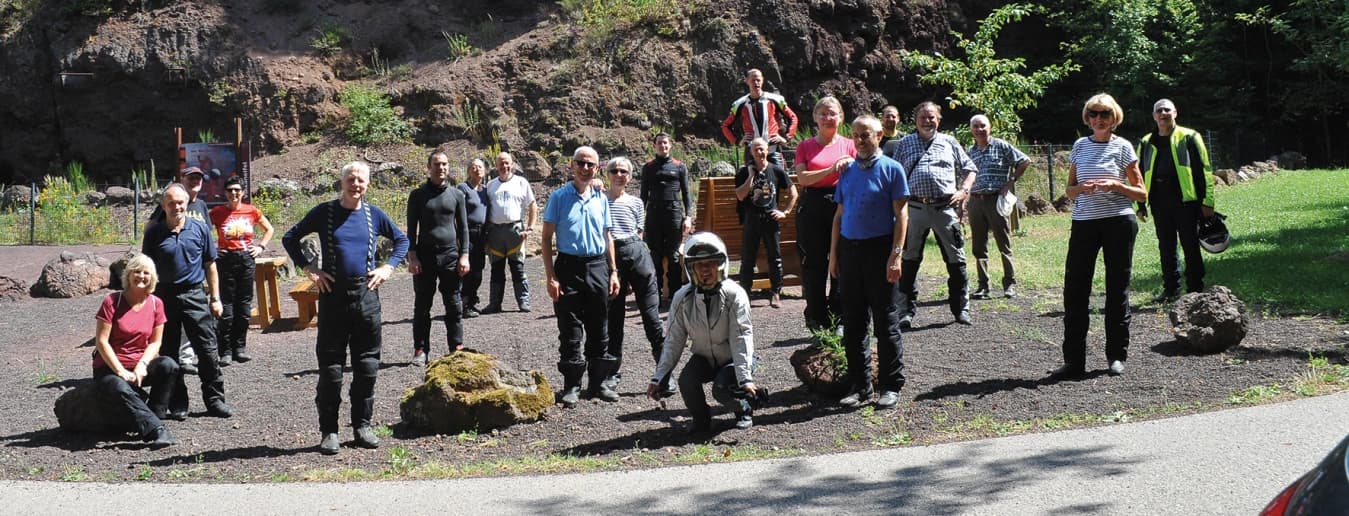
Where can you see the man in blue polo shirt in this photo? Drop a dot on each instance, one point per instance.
(866, 255)
(184, 255)
(582, 279)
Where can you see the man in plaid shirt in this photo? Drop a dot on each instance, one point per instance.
(940, 177)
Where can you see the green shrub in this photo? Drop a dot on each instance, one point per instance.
(206, 136)
(330, 38)
(372, 119)
(457, 46)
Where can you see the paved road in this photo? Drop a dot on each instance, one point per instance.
(1227, 462)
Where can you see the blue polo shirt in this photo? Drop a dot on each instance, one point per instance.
(180, 256)
(580, 222)
(867, 194)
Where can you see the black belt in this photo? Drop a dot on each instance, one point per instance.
(627, 241)
(827, 192)
(985, 195)
(564, 257)
(946, 199)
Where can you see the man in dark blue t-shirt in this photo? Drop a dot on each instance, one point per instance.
(184, 256)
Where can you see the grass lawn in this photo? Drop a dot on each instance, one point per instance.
(1290, 250)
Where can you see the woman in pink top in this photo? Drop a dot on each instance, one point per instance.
(818, 161)
(126, 357)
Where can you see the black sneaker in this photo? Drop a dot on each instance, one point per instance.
(176, 415)
(491, 309)
(604, 392)
(188, 368)
(856, 399)
(159, 438)
(366, 438)
(981, 293)
(1068, 372)
(1166, 296)
(470, 313)
(329, 445)
(225, 359)
(906, 322)
(964, 318)
(241, 356)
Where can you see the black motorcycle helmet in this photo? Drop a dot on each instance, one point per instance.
(1213, 235)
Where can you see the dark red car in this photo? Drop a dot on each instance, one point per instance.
(1323, 490)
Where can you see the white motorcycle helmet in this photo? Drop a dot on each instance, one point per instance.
(702, 246)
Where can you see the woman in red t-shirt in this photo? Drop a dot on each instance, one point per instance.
(126, 359)
(234, 224)
(818, 161)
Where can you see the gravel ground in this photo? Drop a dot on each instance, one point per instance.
(964, 383)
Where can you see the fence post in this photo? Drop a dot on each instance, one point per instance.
(32, 213)
(1049, 166)
(135, 207)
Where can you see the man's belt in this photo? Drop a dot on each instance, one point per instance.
(945, 199)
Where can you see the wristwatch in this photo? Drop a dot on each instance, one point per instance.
(899, 250)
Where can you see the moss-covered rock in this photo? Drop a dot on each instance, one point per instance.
(466, 391)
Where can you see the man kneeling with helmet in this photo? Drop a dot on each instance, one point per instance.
(713, 313)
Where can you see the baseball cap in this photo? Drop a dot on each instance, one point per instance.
(193, 170)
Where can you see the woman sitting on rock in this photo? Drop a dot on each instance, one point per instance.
(126, 360)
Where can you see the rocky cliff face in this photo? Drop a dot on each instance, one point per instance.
(108, 89)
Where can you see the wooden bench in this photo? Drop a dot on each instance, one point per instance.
(306, 296)
(716, 213)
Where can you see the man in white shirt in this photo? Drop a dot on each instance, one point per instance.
(510, 219)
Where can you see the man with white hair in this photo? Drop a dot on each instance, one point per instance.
(1000, 165)
(510, 219)
(348, 230)
(581, 278)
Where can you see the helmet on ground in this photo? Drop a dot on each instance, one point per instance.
(1213, 235)
(704, 246)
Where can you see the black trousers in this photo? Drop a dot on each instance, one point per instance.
(1177, 220)
(445, 271)
(187, 311)
(1112, 237)
(725, 388)
(814, 226)
(160, 375)
(582, 318)
(637, 275)
(349, 318)
(664, 234)
(761, 228)
(862, 266)
(477, 259)
(236, 294)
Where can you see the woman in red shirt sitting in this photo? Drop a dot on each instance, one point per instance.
(126, 342)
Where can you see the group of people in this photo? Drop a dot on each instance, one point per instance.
(864, 211)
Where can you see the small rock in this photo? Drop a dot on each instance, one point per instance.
(72, 275)
(12, 289)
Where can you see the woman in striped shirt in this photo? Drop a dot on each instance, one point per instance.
(636, 271)
(1104, 182)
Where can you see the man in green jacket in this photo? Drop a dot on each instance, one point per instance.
(1179, 179)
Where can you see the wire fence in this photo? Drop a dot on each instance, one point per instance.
(61, 213)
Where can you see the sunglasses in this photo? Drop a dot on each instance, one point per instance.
(620, 171)
(585, 164)
(234, 190)
(1104, 113)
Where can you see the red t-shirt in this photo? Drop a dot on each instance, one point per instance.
(816, 157)
(131, 329)
(234, 228)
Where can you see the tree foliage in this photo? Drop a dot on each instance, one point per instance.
(984, 82)
(372, 119)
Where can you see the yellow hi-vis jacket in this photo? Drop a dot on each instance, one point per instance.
(1188, 153)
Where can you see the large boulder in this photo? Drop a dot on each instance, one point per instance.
(95, 199)
(1209, 321)
(86, 409)
(115, 270)
(120, 196)
(12, 289)
(16, 197)
(818, 370)
(72, 275)
(1291, 160)
(1036, 205)
(1225, 177)
(470, 391)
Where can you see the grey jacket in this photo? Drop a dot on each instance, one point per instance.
(723, 337)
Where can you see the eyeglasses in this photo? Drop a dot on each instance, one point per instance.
(585, 164)
(620, 171)
(1104, 113)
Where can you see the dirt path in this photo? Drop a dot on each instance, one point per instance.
(964, 382)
